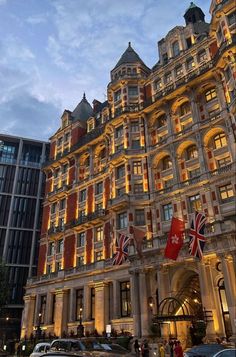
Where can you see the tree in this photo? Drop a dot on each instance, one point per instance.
(4, 285)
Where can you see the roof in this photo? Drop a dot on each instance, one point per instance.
(83, 110)
(191, 6)
(129, 56)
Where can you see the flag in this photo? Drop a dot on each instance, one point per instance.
(139, 235)
(197, 239)
(121, 250)
(175, 239)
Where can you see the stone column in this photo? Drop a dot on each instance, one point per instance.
(207, 288)
(201, 153)
(116, 299)
(101, 306)
(87, 301)
(28, 316)
(60, 323)
(49, 307)
(143, 304)
(228, 270)
(134, 282)
(163, 282)
(72, 304)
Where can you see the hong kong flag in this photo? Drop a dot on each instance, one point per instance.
(175, 239)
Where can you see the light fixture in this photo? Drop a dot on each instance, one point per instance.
(150, 302)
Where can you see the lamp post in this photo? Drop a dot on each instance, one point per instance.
(38, 328)
(80, 327)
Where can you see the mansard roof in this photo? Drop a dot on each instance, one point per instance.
(83, 110)
(129, 56)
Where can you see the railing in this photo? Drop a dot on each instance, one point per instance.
(58, 190)
(57, 229)
(83, 219)
(221, 170)
(30, 163)
(7, 160)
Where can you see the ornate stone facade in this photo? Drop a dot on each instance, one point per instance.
(163, 144)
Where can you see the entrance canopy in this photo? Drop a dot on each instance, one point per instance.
(174, 309)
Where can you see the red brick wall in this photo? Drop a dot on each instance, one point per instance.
(48, 186)
(52, 149)
(107, 190)
(90, 199)
(107, 240)
(148, 91)
(45, 219)
(71, 172)
(41, 259)
(71, 207)
(213, 49)
(76, 133)
(89, 244)
(69, 251)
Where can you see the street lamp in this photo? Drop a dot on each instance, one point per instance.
(80, 327)
(38, 328)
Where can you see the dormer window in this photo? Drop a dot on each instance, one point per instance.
(117, 95)
(165, 58)
(175, 48)
(64, 122)
(90, 125)
(133, 91)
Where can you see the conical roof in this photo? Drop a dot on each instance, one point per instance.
(83, 110)
(129, 56)
(191, 6)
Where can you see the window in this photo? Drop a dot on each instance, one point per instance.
(188, 42)
(161, 121)
(98, 256)
(90, 125)
(202, 56)
(195, 203)
(117, 95)
(92, 303)
(125, 300)
(220, 140)
(59, 141)
(223, 162)
(99, 188)
(81, 239)
(122, 220)
(82, 213)
(168, 78)
(190, 64)
(119, 147)
(168, 183)
(179, 71)
(184, 109)
(42, 309)
(120, 171)
(138, 188)
(99, 234)
(103, 153)
(210, 95)
(175, 48)
(87, 162)
(61, 223)
(66, 137)
(64, 168)
(79, 304)
(60, 245)
(137, 167)
(134, 126)
(83, 195)
(226, 193)
(132, 91)
(120, 191)
(194, 173)
(157, 85)
(135, 144)
(51, 248)
(49, 268)
(58, 266)
(99, 206)
(140, 217)
(166, 163)
(53, 207)
(62, 204)
(165, 58)
(119, 131)
(192, 152)
(80, 260)
(219, 34)
(56, 173)
(167, 212)
(231, 18)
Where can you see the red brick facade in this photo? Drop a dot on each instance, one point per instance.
(42, 259)
(69, 251)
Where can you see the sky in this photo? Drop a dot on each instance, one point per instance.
(52, 51)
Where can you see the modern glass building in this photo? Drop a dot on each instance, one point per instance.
(21, 193)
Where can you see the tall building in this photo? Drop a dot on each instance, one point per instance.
(162, 145)
(21, 194)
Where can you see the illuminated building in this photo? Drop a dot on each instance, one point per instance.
(22, 190)
(163, 144)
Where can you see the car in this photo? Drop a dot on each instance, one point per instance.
(40, 349)
(114, 347)
(226, 353)
(66, 354)
(204, 350)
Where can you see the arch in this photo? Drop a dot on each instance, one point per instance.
(211, 133)
(154, 116)
(158, 157)
(178, 102)
(183, 146)
(210, 83)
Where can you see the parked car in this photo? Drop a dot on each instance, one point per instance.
(40, 349)
(66, 354)
(226, 353)
(206, 350)
(114, 347)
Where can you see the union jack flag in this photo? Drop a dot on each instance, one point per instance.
(121, 250)
(196, 233)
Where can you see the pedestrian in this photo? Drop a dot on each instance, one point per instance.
(136, 348)
(178, 350)
(171, 344)
(162, 351)
(145, 349)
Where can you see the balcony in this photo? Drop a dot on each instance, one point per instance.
(59, 191)
(221, 170)
(191, 181)
(94, 216)
(56, 229)
(118, 202)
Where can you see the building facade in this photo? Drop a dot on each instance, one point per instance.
(21, 195)
(163, 144)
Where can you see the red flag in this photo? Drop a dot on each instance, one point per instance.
(175, 239)
(138, 237)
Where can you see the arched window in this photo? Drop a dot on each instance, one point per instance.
(184, 108)
(166, 163)
(192, 152)
(161, 121)
(219, 140)
(175, 48)
(210, 94)
(224, 308)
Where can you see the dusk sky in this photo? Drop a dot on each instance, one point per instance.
(51, 51)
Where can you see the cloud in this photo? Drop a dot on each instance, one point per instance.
(37, 19)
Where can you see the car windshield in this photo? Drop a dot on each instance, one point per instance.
(91, 345)
(227, 353)
(208, 350)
